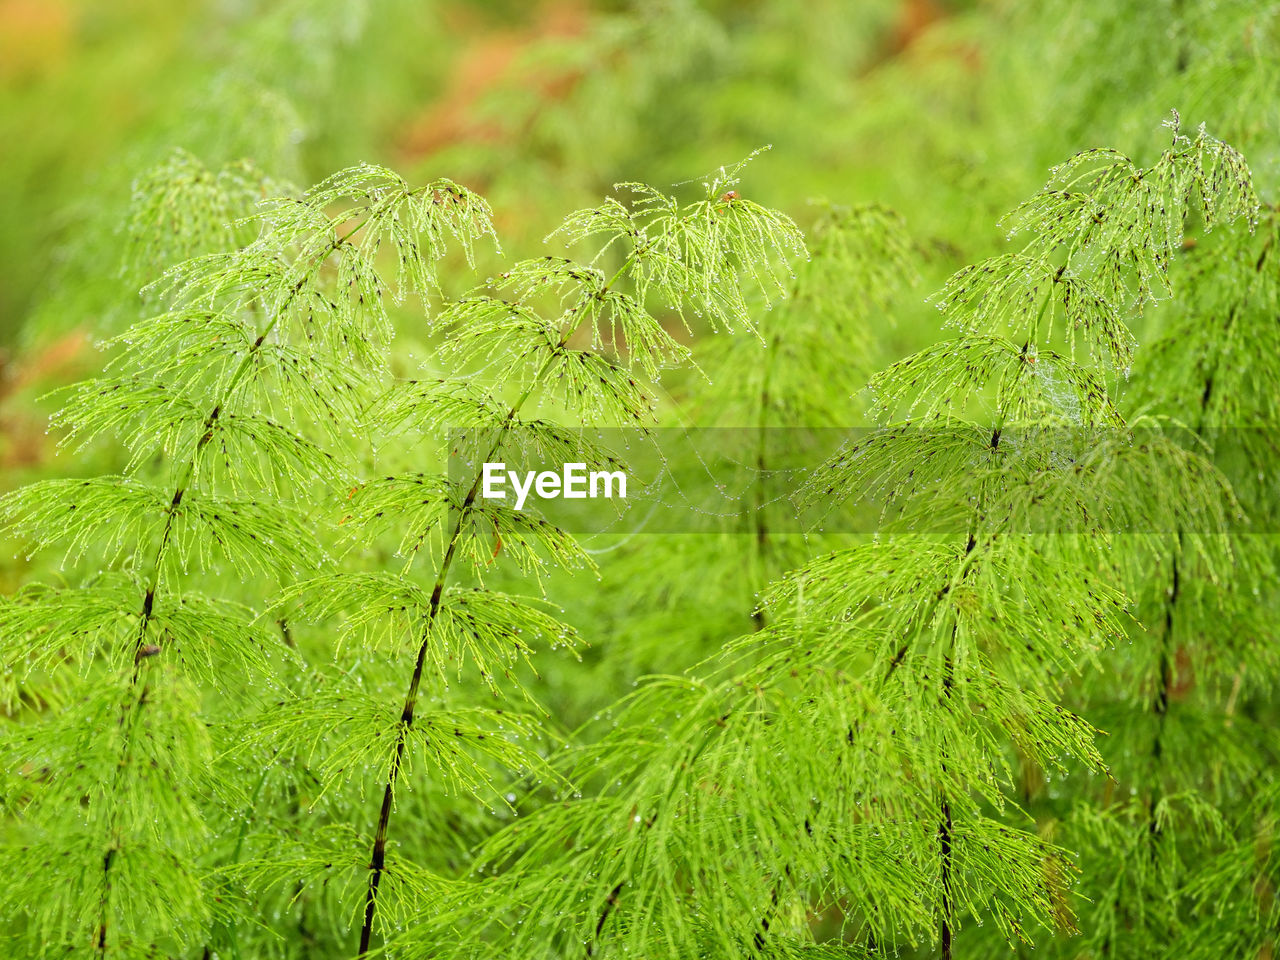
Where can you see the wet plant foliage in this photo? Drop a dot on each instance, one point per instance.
(992, 676)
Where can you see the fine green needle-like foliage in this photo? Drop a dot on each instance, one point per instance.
(861, 753)
(233, 406)
(924, 627)
(1176, 851)
(556, 337)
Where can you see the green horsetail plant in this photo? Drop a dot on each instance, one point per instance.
(759, 396)
(180, 209)
(231, 406)
(860, 258)
(1177, 851)
(854, 756)
(1052, 455)
(550, 347)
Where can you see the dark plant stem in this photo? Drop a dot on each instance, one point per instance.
(1164, 680)
(610, 903)
(944, 848)
(758, 940)
(760, 523)
(946, 828)
(377, 859)
(142, 653)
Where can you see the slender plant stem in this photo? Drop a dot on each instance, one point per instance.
(142, 653)
(761, 524)
(377, 859)
(1164, 681)
(610, 902)
(946, 830)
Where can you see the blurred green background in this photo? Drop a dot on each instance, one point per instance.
(948, 112)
